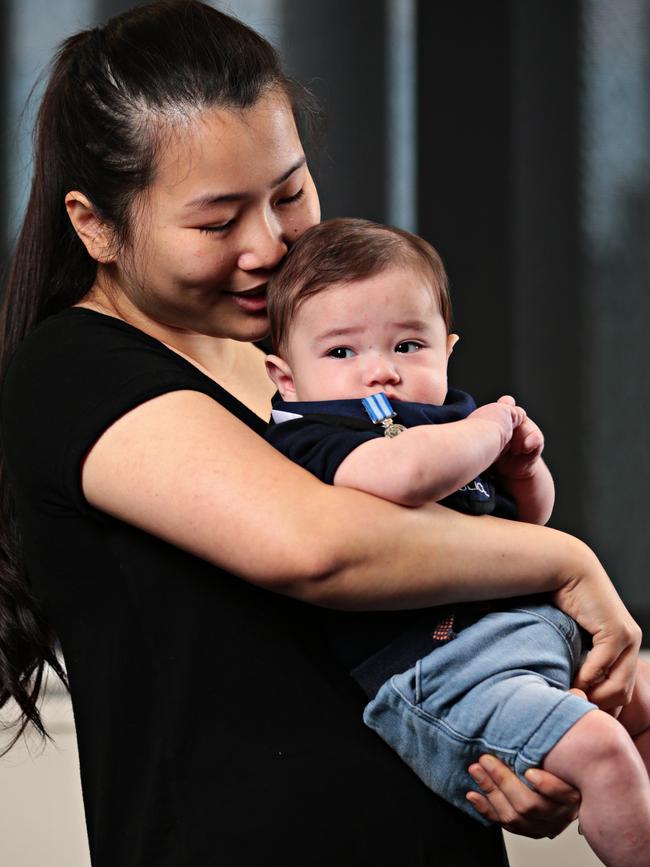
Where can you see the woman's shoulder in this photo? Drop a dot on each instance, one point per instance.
(80, 357)
(92, 353)
(80, 335)
(81, 368)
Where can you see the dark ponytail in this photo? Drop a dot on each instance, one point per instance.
(112, 93)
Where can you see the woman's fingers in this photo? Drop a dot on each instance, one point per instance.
(508, 801)
(554, 788)
(483, 806)
(609, 683)
(496, 782)
(493, 804)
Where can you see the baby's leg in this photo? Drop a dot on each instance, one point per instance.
(599, 758)
(636, 715)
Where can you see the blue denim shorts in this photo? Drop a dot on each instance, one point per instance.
(500, 687)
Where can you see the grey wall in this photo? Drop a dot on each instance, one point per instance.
(615, 289)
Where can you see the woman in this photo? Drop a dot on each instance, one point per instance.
(181, 560)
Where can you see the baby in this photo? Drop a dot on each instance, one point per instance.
(360, 319)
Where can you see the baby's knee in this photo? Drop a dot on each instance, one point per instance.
(596, 751)
(603, 739)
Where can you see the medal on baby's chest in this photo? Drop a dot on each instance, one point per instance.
(381, 412)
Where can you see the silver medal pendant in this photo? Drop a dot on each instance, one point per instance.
(391, 429)
(381, 412)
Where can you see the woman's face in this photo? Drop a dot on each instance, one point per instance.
(231, 194)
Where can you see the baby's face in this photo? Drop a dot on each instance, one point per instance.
(383, 333)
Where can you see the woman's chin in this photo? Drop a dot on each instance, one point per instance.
(250, 329)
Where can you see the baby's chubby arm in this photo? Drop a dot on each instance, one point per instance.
(429, 462)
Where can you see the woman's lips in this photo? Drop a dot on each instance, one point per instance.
(252, 300)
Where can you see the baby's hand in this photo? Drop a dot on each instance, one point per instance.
(522, 454)
(504, 414)
(523, 473)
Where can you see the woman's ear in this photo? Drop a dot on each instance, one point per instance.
(452, 340)
(280, 372)
(96, 236)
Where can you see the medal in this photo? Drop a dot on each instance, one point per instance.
(381, 412)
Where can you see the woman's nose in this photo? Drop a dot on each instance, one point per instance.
(381, 371)
(264, 247)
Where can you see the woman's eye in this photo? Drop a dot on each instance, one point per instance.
(340, 352)
(215, 230)
(408, 346)
(288, 200)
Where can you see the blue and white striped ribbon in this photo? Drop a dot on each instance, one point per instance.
(378, 407)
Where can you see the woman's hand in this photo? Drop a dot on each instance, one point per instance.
(545, 812)
(609, 671)
(507, 801)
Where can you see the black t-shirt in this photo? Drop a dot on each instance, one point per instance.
(213, 726)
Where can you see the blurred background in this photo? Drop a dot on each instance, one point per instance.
(515, 136)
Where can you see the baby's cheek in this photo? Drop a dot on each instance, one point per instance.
(434, 390)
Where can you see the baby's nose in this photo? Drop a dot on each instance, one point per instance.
(381, 371)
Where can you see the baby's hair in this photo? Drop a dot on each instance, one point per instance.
(344, 251)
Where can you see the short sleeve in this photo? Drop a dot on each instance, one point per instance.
(316, 445)
(75, 375)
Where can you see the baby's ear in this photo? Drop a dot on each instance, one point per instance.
(452, 340)
(280, 372)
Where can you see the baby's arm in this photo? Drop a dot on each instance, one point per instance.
(524, 475)
(429, 462)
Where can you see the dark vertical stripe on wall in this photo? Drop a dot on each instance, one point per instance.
(498, 117)
(339, 47)
(464, 177)
(549, 319)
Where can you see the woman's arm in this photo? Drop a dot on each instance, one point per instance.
(184, 469)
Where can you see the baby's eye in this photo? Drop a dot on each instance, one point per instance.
(340, 352)
(408, 346)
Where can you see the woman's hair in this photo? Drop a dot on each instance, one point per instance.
(343, 251)
(113, 95)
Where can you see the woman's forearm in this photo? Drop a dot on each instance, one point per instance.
(376, 555)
